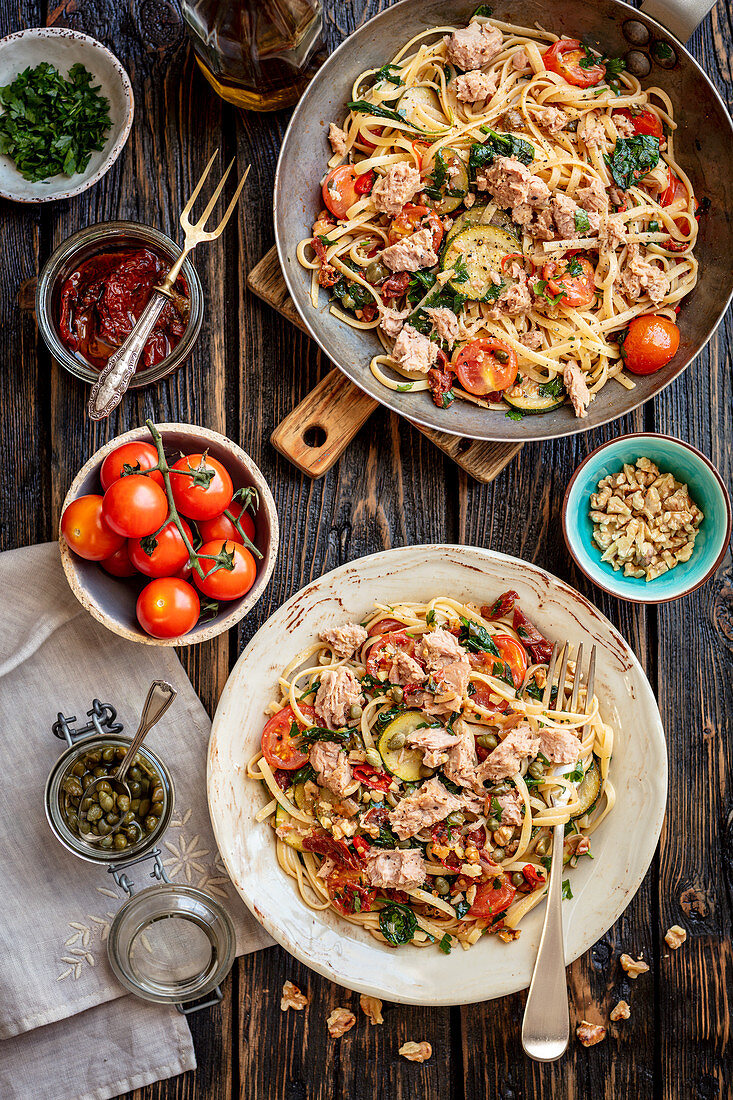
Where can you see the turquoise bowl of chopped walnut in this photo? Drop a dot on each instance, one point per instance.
(647, 518)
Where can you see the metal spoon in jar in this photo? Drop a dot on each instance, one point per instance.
(115, 789)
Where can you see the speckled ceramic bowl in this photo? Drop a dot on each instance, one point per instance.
(112, 600)
(345, 953)
(62, 48)
(706, 489)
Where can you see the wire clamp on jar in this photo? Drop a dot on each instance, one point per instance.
(103, 722)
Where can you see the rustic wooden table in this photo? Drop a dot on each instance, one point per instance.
(391, 488)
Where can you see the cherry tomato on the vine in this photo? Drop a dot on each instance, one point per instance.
(168, 607)
(204, 490)
(85, 529)
(221, 527)
(138, 456)
(119, 564)
(135, 506)
(225, 583)
(167, 557)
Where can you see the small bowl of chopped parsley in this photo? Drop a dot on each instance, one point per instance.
(66, 108)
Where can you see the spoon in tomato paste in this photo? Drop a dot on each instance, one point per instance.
(110, 387)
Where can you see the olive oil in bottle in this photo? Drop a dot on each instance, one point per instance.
(257, 54)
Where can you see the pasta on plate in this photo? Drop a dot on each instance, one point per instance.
(410, 763)
(505, 209)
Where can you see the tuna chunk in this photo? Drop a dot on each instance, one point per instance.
(520, 60)
(510, 807)
(406, 670)
(391, 191)
(430, 803)
(552, 119)
(432, 743)
(640, 277)
(448, 666)
(592, 131)
(332, 767)
(338, 691)
(505, 760)
(624, 125)
(344, 640)
(564, 211)
(511, 183)
(614, 231)
(592, 194)
(411, 253)
(473, 46)
(513, 302)
(338, 139)
(392, 320)
(438, 647)
(577, 388)
(445, 323)
(402, 869)
(532, 340)
(462, 759)
(475, 86)
(414, 351)
(560, 746)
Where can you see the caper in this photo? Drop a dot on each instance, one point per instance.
(120, 841)
(487, 740)
(151, 823)
(108, 754)
(105, 786)
(376, 272)
(493, 824)
(135, 772)
(158, 794)
(135, 805)
(517, 879)
(86, 780)
(500, 788)
(397, 741)
(78, 768)
(72, 786)
(128, 818)
(373, 758)
(355, 711)
(120, 751)
(86, 803)
(104, 827)
(72, 821)
(441, 885)
(536, 770)
(134, 832)
(502, 356)
(455, 818)
(112, 819)
(95, 830)
(144, 807)
(348, 302)
(543, 846)
(157, 809)
(106, 801)
(499, 854)
(397, 693)
(106, 842)
(135, 788)
(403, 843)
(92, 757)
(99, 771)
(425, 773)
(94, 812)
(123, 803)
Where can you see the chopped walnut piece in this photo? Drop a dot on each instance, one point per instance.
(590, 1034)
(675, 937)
(371, 1007)
(416, 1052)
(339, 1022)
(292, 998)
(621, 1011)
(633, 967)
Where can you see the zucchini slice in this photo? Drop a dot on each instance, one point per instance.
(589, 790)
(526, 397)
(481, 248)
(474, 216)
(403, 762)
(293, 839)
(421, 107)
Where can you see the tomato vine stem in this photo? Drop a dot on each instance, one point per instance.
(173, 516)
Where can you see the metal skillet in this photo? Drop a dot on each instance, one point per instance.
(706, 154)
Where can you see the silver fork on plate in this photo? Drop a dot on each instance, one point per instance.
(546, 1024)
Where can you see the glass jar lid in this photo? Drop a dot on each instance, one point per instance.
(171, 943)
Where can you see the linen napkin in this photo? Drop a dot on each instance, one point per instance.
(68, 1030)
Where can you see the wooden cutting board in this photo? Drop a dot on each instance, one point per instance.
(318, 431)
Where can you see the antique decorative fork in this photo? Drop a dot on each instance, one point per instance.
(108, 390)
(546, 1024)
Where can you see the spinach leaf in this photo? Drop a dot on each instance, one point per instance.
(582, 224)
(318, 733)
(461, 907)
(386, 838)
(514, 414)
(448, 783)
(387, 73)
(540, 289)
(567, 893)
(550, 389)
(420, 281)
(505, 145)
(430, 617)
(576, 775)
(386, 717)
(476, 638)
(445, 944)
(633, 158)
(361, 107)
(397, 923)
(502, 671)
(345, 288)
(302, 775)
(482, 9)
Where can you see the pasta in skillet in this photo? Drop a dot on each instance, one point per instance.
(410, 764)
(505, 208)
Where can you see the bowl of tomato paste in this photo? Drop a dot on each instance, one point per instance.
(95, 286)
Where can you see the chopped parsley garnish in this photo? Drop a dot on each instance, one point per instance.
(514, 414)
(633, 158)
(430, 617)
(439, 185)
(540, 289)
(574, 266)
(461, 271)
(551, 389)
(582, 224)
(567, 893)
(461, 907)
(576, 775)
(445, 944)
(482, 9)
(653, 226)
(476, 638)
(50, 124)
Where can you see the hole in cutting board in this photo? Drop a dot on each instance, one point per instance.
(315, 436)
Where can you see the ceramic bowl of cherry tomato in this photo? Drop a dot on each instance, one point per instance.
(169, 536)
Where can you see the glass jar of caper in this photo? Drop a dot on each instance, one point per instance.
(121, 826)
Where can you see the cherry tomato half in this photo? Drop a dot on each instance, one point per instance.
(564, 57)
(364, 183)
(204, 495)
(119, 564)
(135, 506)
(644, 121)
(385, 626)
(85, 529)
(167, 557)
(277, 745)
(339, 189)
(578, 290)
(378, 660)
(223, 583)
(486, 366)
(412, 218)
(514, 654)
(650, 343)
(491, 899)
(375, 131)
(138, 456)
(222, 528)
(168, 607)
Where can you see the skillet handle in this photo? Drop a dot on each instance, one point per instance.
(682, 17)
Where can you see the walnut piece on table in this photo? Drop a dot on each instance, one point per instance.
(590, 1034)
(633, 967)
(416, 1052)
(292, 997)
(339, 1022)
(644, 521)
(621, 1011)
(675, 937)
(372, 1008)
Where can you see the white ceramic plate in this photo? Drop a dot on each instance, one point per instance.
(62, 48)
(623, 845)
